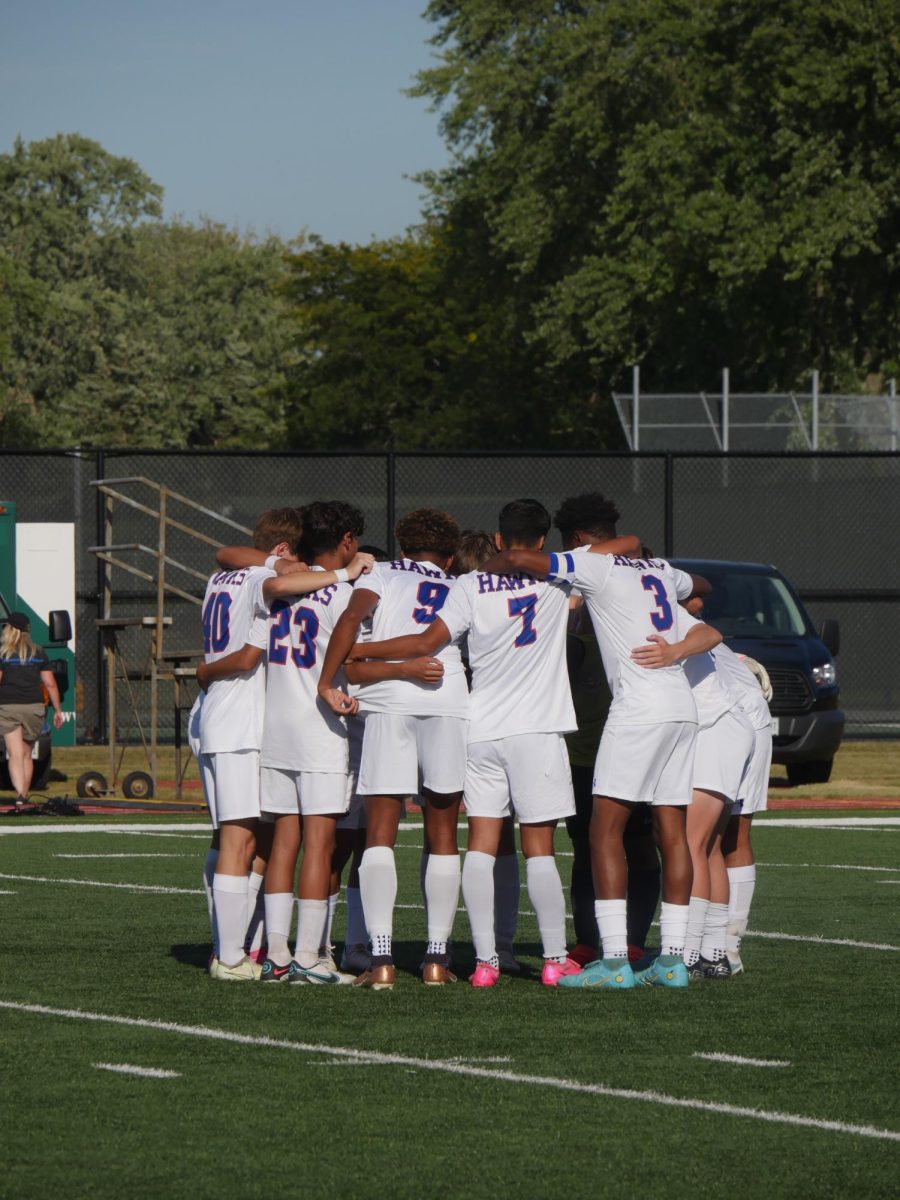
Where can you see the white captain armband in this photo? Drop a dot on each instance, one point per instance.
(271, 561)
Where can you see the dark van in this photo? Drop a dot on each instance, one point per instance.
(759, 614)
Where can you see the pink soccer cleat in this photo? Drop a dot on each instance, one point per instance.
(554, 971)
(258, 956)
(484, 975)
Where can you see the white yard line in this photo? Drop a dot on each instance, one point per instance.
(160, 830)
(124, 887)
(124, 856)
(819, 941)
(4, 893)
(832, 867)
(773, 822)
(147, 1072)
(739, 1061)
(449, 1067)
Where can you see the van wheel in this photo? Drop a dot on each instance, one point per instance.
(809, 772)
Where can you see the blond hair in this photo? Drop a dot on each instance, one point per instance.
(17, 643)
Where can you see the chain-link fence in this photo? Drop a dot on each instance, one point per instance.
(823, 519)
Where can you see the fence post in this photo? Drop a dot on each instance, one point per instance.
(815, 410)
(726, 399)
(391, 502)
(635, 408)
(99, 540)
(669, 519)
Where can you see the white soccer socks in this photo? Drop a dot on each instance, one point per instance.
(546, 894)
(673, 922)
(325, 946)
(612, 921)
(442, 876)
(311, 918)
(230, 899)
(696, 923)
(712, 948)
(378, 889)
(209, 871)
(478, 894)
(506, 899)
(279, 913)
(742, 882)
(256, 911)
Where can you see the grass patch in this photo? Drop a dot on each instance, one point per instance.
(238, 1112)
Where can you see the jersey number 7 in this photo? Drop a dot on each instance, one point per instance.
(524, 606)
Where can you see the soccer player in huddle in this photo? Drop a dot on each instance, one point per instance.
(724, 744)
(647, 747)
(515, 626)
(414, 739)
(231, 724)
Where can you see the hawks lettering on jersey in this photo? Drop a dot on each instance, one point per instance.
(231, 717)
(410, 595)
(516, 628)
(629, 600)
(301, 732)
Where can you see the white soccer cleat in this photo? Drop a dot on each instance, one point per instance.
(245, 971)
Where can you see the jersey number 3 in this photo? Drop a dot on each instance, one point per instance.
(662, 618)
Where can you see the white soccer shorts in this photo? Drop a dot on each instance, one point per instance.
(310, 793)
(401, 754)
(528, 775)
(723, 755)
(231, 785)
(753, 794)
(652, 764)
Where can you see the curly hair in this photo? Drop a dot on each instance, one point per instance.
(277, 525)
(475, 548)
(324, 524)
(591, 513)
(428, 529)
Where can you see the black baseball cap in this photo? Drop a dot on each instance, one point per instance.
(19, 620)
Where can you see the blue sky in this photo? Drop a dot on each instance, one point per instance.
(275, 116)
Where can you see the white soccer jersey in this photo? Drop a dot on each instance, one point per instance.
(744, 686)
(231, 717)
(516, 628)
(711, 694)
(410, 595)
(629, 599)
(301, 732)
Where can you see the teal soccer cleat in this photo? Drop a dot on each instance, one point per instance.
(600, 974)
(663, 974)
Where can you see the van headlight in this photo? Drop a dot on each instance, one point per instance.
(825, 675)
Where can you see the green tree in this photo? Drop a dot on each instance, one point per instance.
(683, 185)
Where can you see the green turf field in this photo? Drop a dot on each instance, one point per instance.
(301, 1090)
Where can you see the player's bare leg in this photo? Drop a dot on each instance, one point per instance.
(478, 895)
(506, 897)
(741, 866)
(237, 841)
(19, 762)
(378, 887)
(256, 911)
(643, 879)
(713, 946)
(610, 871)
(279, 886)
(442, 881)
(703, 817)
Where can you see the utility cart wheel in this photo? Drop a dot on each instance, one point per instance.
(138, 785)
(90, 785)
